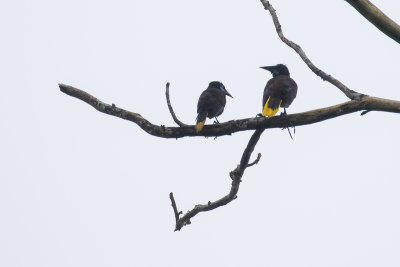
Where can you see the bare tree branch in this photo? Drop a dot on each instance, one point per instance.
(377, 17)
(359, 102)
(326, 77)
(173, 204)
(236, 176)
(227, 128)
(255, 161)
(171, 110)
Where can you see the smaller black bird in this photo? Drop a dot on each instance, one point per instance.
(280, 91)
(211, 103)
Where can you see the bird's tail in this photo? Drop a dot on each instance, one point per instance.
(200, 120)
(271, 107)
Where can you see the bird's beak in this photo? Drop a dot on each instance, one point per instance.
(269, 68)
(228, 94)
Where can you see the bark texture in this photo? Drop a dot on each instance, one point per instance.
(377, 17)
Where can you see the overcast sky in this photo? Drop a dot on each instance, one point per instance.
(81, 188)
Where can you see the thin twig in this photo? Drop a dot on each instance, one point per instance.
(326, 77)
(364, 112)
(173, 204)
(171, 110)
(236, 176)
(255, 161)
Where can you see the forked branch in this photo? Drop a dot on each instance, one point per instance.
(359, 102)
(236, 176)
(230, 127)
(257, 124)
(326, 77)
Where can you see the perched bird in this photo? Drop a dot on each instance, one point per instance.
(211, 103)
(280, 91)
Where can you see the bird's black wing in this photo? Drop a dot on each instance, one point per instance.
(267, 92)
(216, 103)
(289, 91)
(272, 92)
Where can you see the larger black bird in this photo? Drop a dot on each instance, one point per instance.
(211, 103)
(280, 91)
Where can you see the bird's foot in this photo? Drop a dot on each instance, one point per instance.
(290, 133)
(216, 121)
(259, 115)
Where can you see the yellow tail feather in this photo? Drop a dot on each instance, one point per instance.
(199, 125)
(267, 111)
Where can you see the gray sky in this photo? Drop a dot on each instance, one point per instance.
(80, 188)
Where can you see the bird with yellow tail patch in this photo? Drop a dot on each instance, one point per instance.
(280, 91)
(211, 104)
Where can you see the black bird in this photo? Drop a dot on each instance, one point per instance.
(280, 91)
(211, 103)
